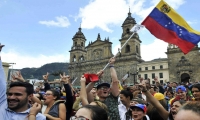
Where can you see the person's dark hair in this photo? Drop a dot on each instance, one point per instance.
(56, 94)
(127, 94)
(28, 86)
(97, 113)
(170, 91)
(194, 106)
(40, 96)
(196, 86)
(129, 115)
(154, 87)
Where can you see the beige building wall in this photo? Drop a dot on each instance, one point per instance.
(6, 69)
(156, 67)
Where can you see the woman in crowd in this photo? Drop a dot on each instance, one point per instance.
(181, 91)
(169, 94)
(176, 104)
(161, 110)
(152, 111)
(196, 91)
(138, 112)
(90, 112)
(54, 108)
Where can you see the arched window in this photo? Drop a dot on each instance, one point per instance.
(74, 58)
(137, 49)
(81, 43)
(75, 44)
(127, 49)
(82, 58)
(128, 30)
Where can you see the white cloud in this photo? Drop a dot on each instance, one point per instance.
(115, 49)
(154, 50)
(192, 22)
(104, 13)
(23, 61)
(61, 21)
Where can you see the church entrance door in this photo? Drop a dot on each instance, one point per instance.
(185, 77)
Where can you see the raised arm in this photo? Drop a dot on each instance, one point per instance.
(161, 90)
(46, 84)
(161, 110)
(115, 81)
(18, 77)
(83, 94)
(69, 97)
(2, 82)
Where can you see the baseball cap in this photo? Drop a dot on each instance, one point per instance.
(159, 96)
(182, 88)
(103, 84)
(140, 106)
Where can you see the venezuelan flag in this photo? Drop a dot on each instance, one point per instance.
(165, 24)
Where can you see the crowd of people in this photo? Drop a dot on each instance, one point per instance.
(105, 101)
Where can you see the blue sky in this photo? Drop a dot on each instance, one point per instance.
(36, 32)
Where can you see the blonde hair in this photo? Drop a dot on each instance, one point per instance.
(102, 105)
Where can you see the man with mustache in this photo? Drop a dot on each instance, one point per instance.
(15, 106)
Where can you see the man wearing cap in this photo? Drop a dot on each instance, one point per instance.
(108, 94)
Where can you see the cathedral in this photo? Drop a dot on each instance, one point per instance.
(93, 57)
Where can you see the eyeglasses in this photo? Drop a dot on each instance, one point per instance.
(47, 94)
(78, 118)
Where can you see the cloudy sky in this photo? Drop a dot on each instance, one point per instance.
(37, 32)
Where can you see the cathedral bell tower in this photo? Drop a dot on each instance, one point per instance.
(133, 46)
(78, 52)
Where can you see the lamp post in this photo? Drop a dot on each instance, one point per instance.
(134, 76)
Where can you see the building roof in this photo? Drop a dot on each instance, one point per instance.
(79, 34)
(129, 19)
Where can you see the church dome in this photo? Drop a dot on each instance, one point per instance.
(79, 34)
(129, 20)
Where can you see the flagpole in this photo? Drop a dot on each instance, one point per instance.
(74, 80)
(135, 29)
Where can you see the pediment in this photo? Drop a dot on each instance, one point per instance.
(99, 43)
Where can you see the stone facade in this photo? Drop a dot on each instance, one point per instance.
(183, 68)
(95, 55)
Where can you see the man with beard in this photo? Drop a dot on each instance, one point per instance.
(15, 106)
